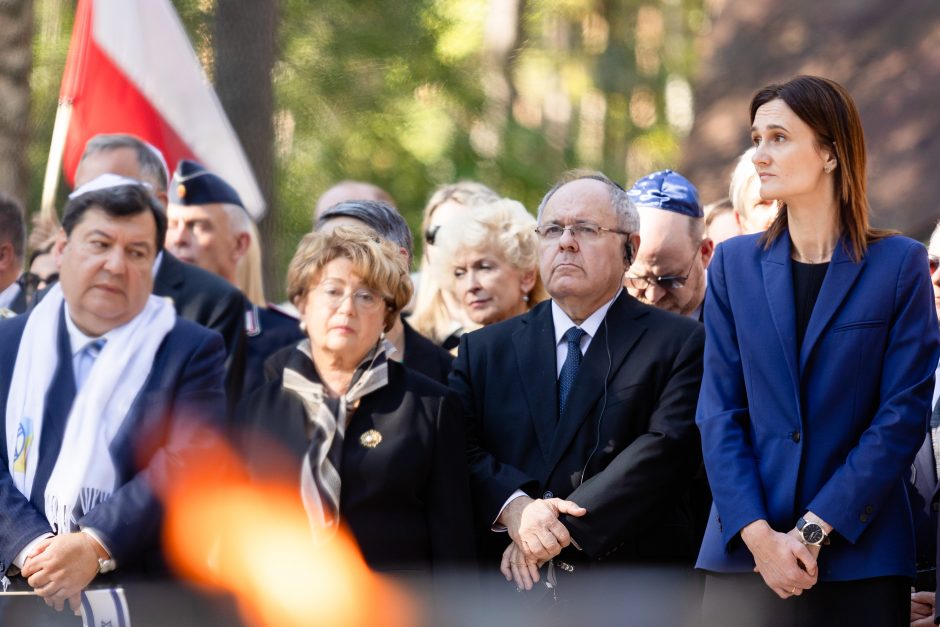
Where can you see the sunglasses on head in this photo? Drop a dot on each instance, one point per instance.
(431, 234)
(933, 262)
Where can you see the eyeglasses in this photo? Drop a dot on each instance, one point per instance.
(581, 231)
(431, 234)
(668, 282)
(332, 294)
(933, 262)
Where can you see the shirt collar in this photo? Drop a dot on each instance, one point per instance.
(8, 295)
(590, 325)
(77, 339)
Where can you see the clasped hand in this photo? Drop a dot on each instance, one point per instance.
(537, 536)
(787, 565)
(61, 567)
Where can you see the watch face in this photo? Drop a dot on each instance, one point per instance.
(812, 533)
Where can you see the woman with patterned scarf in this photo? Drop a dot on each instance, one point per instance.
(372, 445)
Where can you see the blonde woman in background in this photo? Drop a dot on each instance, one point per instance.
(437, 314)
(754, 214)
(489, 260)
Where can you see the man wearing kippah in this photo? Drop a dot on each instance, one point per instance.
(196, 295)
(106, 395)
(208, 226)
(669, 271)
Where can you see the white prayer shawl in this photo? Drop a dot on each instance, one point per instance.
(84, 473)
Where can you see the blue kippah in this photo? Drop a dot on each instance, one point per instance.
(194, 185)
(669, 191)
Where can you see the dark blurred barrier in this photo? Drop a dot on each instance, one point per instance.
(641, 597)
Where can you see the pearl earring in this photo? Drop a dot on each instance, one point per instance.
(525, 298)
(303, 326)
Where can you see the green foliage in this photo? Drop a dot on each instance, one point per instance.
(396, 94)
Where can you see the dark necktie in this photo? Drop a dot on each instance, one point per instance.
(570, 369)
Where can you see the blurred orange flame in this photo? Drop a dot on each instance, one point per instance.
(253, 540)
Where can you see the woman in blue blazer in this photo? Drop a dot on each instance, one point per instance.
(821, 346)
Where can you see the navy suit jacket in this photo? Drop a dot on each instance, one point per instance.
(183, 395)
(626, 447)
(831, 428)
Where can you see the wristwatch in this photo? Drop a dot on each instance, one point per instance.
(811, 533)
(106, 565)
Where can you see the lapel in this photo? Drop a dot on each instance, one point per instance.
(778, 288)
(840, 277)
(618, 333)
(534, 343)
(169, 279)
(59, 399)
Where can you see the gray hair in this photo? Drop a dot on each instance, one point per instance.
(153, 166)
(13, 225)
(238, 219)
(380, 216)
(628, 218)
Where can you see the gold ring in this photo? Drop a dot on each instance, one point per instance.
(793, 590)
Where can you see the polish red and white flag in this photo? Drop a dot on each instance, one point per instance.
(131, 69)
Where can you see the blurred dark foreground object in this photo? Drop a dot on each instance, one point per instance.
(647, 597)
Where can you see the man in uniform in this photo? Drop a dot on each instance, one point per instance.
(209, 227)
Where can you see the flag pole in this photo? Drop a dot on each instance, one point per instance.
(50, 183)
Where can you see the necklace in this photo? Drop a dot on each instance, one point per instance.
(826, 256)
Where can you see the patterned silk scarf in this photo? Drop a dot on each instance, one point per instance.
(327, 418)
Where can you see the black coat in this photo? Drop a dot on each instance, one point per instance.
(628, 429)
(407, 500)
(212, 302)
(424, 356)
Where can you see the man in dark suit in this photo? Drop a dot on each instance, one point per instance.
(669, 271)
(413, 349)
(108, 393)
(197, 295)
(589, 397)
(12, 252)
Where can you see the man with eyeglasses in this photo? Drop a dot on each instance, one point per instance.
(669, 271)
(580, 413)
(12, 250)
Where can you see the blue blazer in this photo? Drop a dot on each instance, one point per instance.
(183, 394)
(832, 428)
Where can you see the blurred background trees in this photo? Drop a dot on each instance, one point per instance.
(411, 95)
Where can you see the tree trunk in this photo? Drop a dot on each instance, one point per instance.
(245, 42)
(16, 30)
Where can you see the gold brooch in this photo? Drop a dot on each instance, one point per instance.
(370, 439)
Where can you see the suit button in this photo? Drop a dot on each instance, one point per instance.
(863, 518)
(548, 494)
(796, 436)
(869, 509)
